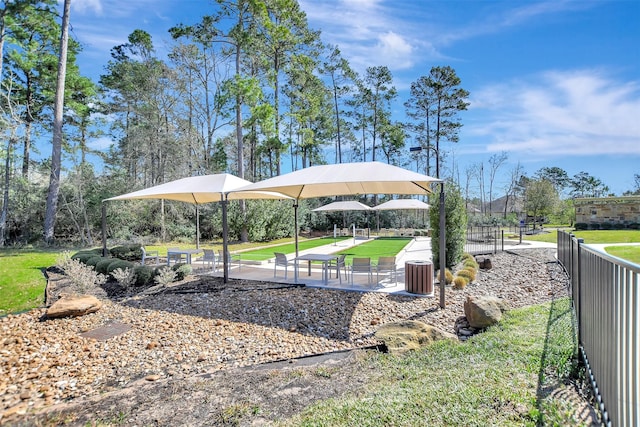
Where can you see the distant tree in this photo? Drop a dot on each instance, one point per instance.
(585, 185)
(341, 78)
(556, 176)
(511, 189)
(56, 155)
(636, 185)
(435, 102)
(495, 161)
(541, 198)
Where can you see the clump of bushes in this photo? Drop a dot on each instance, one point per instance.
(182, 270)
(468, 273)
(82, 276)
(131, 252)
(460, 282)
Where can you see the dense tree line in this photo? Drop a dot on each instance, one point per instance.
(240, 91)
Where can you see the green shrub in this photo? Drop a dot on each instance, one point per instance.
(455, 225)
(132, 252)
(83, 257)
(471, 263)
(581, 226)
(144, 275)
(468, 273)
(460, 282)
(119, 263)
(102, 265)
(94, 260)
(182, 270)
(448, 276)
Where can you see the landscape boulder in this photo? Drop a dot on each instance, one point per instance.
(406, 335)
(73, 306)
(484, 263)
(484, 311)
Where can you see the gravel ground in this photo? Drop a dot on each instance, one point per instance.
(202, 326)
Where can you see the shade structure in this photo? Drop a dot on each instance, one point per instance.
(398, 204)
(346, 205)
(198, 190)
(346, 179)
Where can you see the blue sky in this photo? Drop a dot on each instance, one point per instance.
(552, 83)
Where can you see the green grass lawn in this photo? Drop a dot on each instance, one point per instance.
(265, 253)
(630, 253)
(591, 236)
(21, 280)
(382, 246)
(492, 379)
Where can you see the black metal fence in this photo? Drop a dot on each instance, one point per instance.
(606, 298)
(484, 240)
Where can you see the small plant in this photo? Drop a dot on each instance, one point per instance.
(166, 276)
(182, 271)
(126, 277)
(468, 273)
(448, 276)
(471, 263)
(83, 277)
(144, 274)
(460, 282)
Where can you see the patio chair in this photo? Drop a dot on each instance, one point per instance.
(281, 261)
(387, 264)
(338, 264)
(149, 255)
(231, 258)
(361, 265)
(209, 258)
(176, 258)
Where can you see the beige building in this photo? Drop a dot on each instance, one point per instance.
(607, 212)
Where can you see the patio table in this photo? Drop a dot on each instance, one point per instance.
(323, 258)
(186, 252)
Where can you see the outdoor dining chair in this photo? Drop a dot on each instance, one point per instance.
(361, 265)
(338, 264)
(387, 264)
(231, 258)
(281, 261)
(149, 255)
(209, 258)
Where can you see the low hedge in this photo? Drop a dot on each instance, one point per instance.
(103, 264)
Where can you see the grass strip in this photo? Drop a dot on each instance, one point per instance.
(22, 281)
(500, 377)
(374, 249)
(630, 253)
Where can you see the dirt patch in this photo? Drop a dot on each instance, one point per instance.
(258, 395)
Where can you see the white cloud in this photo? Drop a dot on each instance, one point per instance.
(368, 32)
(572, 113)
(86, 6)
(101, 144)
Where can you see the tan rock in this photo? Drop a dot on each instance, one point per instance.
(69, 306)
(484, 311)
(406, 335)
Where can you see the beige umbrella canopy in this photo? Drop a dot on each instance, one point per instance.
(398, 204)
(198, 190)
(344, 179)
(346, 205)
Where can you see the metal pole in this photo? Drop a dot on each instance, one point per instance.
(295, 232)
(443, 261)
(225, 239)
(104, 230)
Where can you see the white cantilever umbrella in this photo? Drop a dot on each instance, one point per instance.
(353, 179)
(346, 205)
(197, 190)
(398, 204)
